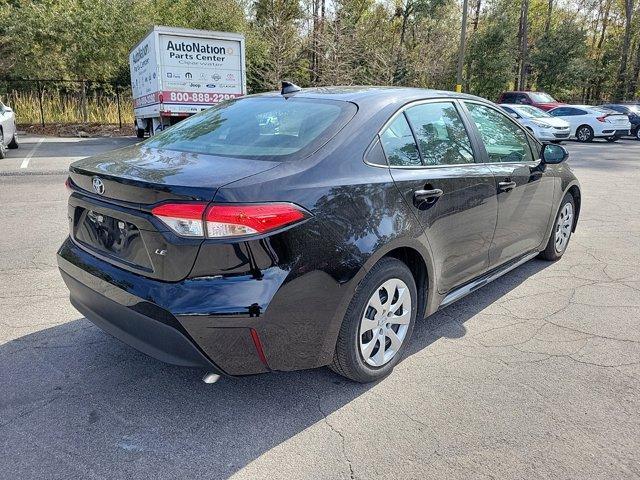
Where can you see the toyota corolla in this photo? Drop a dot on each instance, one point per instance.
(308, 228)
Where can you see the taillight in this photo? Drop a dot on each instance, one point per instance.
(222, 221)
(602, 118)
(67, 184)
(185, 219)
(236, 220)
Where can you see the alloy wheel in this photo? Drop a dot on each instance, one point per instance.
(385, 322)
(583, 134)
(563, 227)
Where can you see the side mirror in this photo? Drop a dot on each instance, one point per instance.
(552, 153)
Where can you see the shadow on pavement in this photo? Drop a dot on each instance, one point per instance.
(76, 402)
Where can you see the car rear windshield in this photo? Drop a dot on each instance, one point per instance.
(541, 97)
(269, 128)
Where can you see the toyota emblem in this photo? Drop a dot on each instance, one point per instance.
(98, 185)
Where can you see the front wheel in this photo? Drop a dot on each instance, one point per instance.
(378, 323)
(562, 228)
(637, 134)
(584, 133)
(2, 150)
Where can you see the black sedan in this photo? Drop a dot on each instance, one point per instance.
(632, 110)
(307, 228)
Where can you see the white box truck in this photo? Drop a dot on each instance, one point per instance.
(176, 72)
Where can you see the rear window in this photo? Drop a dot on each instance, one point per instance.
(269, 128)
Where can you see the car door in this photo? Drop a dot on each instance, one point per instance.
(524, 188)
(432, 161)
(574, 116)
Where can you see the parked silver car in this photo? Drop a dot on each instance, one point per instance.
(8, 133)
(545, 127)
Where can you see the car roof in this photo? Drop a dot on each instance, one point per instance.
(363, 95)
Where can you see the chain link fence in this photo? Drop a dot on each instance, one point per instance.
(57, 101)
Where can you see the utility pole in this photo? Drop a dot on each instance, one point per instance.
(463, 40)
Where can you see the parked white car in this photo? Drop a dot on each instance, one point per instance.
(589, 122)
(8, 134)
(545, 127)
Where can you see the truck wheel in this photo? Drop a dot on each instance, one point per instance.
(140, 132)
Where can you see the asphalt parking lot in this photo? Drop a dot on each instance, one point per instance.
(535, 376)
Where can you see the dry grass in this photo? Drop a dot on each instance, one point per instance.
(66, 108)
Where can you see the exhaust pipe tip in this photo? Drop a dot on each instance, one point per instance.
(211, 378)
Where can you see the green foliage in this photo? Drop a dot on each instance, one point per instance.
(491, 54)
(559, 59)
(403, 42)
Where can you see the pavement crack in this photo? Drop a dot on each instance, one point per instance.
(325, 417)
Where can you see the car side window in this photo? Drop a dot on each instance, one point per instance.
(399, 145)
(442, 137)
(503, 139)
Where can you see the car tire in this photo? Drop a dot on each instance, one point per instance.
(2, 150)
(561, 231)
(637, 134)
(584, 133)
(612, 139)
(364, 325)
(140, 132)
(14, 142)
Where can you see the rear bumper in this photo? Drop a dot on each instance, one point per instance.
(612, 132)
(212, 321)
(145, 333)
(164, 320)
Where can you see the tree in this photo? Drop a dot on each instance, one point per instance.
(492, 48)
(620, 88)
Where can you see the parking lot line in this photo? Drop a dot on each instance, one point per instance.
(25, 162)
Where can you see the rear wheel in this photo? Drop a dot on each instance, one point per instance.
(637, 134)
(584, 133)
(562, 228)
(140, 132)
(613, 139)
(14, 142)
(378, 323)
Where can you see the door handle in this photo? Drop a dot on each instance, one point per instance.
(429, 196)
(506, 186)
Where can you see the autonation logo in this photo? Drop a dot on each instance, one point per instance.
(195, 47)
(141, 53)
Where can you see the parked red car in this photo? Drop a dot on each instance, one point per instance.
(541, 100)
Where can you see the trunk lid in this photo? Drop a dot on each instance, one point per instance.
(619, 120)
(113, 194)
(145, 176)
